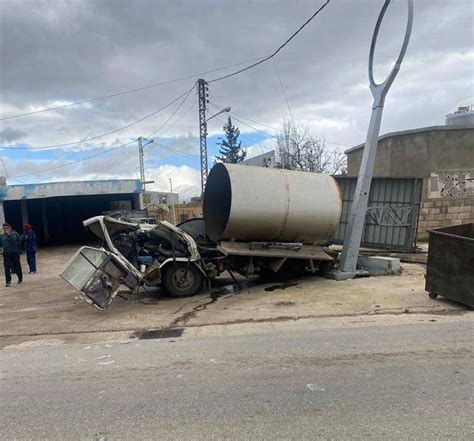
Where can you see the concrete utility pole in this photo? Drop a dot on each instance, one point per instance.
(203, 95)
(141, 159)
(352, 240)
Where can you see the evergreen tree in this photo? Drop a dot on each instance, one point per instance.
(231, 150)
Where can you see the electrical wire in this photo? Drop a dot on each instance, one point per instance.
(284, 92)
(232, 112)
(73, 162)
(108, 151)
(275, 52)
(173, 114)
(125, 92)
(241, 134)
(48, 147)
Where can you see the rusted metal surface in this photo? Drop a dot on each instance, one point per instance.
(450, 268)
(248, 203)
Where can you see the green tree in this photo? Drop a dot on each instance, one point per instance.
(231, 150)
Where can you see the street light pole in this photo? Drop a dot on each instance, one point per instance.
(172, 202)
(350, 251)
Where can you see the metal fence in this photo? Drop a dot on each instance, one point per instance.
(392, 216)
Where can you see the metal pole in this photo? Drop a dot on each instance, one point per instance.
(142, 162)
(172, 202)
(202, 97)
(353, 237)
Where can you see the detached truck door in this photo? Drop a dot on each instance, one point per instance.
(97, 276)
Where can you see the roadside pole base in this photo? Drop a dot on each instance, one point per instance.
(347, 275)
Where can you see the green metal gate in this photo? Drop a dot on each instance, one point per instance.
(391, 220)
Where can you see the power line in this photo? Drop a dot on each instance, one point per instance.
(191, 107)
(95, 156)
(73, 162)
(181, 152)
(241, 134)
(248, 125)
(270, 127)
(125, 92)
(185, 94)
(284, 92)
(173, 114)
(275, 52)
(111, 150)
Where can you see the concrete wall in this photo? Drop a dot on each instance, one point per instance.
(158, 198)
(443, 156)
(444, 213)
(419, 152)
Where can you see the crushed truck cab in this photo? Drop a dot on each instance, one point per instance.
(134, 254)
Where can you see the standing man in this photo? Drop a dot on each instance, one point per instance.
(11, 244)
(28, 243)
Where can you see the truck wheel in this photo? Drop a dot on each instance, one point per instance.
(182, 279)
(432, 295)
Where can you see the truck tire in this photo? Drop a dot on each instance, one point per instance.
(182, 279)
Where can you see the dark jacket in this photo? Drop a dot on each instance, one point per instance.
(11, 243)
(28, 241)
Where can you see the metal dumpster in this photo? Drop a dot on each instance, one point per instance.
(450, 268)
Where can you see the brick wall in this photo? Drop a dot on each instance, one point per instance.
(444, 213)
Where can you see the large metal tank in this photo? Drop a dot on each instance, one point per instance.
(248, 203)
(464, 116)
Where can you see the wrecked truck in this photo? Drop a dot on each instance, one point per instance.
(256, 221)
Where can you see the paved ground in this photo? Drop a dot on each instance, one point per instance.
(411, 381)
(46, 308)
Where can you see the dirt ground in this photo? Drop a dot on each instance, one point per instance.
(45, 306)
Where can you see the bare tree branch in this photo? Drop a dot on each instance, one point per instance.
(297, 149)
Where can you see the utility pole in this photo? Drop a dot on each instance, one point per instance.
(142, 162)
(172, 202)
(203, 96)
(141, 159)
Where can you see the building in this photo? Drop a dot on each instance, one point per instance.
(267, 159)
(56, 210)
(159, 198)
(443, 156)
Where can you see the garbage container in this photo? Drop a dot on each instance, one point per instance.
(450, 267)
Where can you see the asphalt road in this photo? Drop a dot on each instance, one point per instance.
(382, 382)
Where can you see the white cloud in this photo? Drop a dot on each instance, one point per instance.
(70, 51)
(186, 180)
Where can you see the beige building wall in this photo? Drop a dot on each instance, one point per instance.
(443, 156)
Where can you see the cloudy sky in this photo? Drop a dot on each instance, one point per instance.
(54, 53)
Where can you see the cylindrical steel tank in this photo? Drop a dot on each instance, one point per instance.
(248, 203)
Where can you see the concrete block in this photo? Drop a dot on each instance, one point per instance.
(438, 203)
(428, 204)
(456, 222)
(451, 216)
(430, 217)
(379, 265)
(454, 209)
(439, 217)
(435, 211)
(424, 211)
(465, 215)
